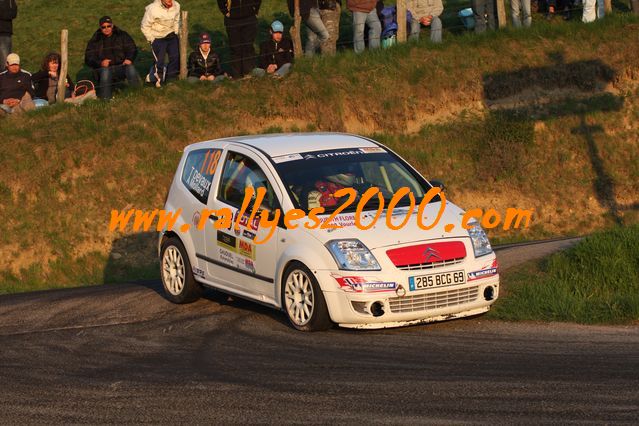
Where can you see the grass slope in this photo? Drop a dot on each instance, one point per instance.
(543, 118)
(595, 282)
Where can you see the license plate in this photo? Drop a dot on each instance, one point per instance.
(443, 279)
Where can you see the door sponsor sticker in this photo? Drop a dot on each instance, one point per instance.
(364, 285)
(227, 241)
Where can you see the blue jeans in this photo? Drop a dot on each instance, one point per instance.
(280, 72)
(360, 19)
(435, 29)
(317, 32)
(5, 49)
(170, 46)
(520, 12)
(108, 74)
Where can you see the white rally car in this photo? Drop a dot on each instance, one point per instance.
(358, 278)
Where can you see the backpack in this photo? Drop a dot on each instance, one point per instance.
(388, 18)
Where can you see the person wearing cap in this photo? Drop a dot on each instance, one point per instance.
(16, 88)
(240, 20)
(160, 26)
(111, 53)
(276, 54)
(8, 12)
(204, 64)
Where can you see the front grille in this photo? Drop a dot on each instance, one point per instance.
(430, 265)
(429, 301)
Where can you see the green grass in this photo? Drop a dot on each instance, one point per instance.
(594, 282)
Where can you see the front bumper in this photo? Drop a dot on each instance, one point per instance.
(361, 310)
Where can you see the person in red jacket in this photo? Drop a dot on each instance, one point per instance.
(365, 13)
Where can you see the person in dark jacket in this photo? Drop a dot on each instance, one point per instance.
(45, 81)
(276, 54)
(317, 34)
(240, 20)
(16, 89)
(8, 12)
(111, 52)
(204, 64)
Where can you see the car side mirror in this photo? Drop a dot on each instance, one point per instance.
(438, 183)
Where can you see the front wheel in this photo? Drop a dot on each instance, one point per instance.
(303, 300)
(177, 277)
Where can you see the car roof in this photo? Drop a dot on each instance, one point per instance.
(275, 145)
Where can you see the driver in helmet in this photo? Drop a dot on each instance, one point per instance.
(322, 194)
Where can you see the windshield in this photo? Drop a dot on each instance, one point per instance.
(312, 178)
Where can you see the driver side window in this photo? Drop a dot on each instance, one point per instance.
(241, 172)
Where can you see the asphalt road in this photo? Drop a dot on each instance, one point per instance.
(124, 354)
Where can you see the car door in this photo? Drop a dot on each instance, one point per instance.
(195, 187)
(236, 259)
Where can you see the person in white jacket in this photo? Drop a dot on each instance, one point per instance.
(426, 13)
(160, 26)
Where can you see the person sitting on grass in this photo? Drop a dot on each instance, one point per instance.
(111, 52)
(276, 54)
(45, 81)
(204, 64)
(16, 89)
(426, 13)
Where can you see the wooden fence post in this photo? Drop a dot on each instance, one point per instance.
(401, 21)
(184, 43)
(296, 33)
(608, 6)
(64, 57)
(501, 14)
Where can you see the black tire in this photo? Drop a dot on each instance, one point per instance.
(179, 287)
(305, 307)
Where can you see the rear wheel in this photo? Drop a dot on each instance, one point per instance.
(177, 276)
(303, 300)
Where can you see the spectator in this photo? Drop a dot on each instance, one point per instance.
(111, 52)
(240, 20)
(276, 54)
(553, 5)
(317, 33)
(330, 11)
(8, 12)
(484, 12)
(365, 13)
(520, 13)
(16, 89)
(426, 13)
(593, 9)
(45, 81)
(204, 64)
(160, 26)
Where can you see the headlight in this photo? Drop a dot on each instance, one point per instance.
(352, 255)
(481, 245)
